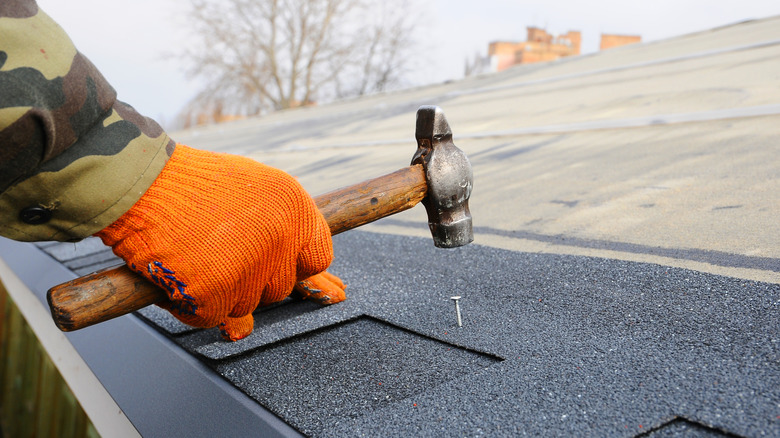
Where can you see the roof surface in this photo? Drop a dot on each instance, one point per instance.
(625, 275)
(663, 152)
(550, 345)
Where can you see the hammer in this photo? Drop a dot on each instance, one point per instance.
(440, 177)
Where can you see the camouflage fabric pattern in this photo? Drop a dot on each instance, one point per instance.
(67, 146)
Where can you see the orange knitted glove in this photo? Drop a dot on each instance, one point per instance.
(223, 234)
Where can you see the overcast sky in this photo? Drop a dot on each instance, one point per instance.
(129, 40)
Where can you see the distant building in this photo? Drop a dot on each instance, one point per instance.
(609, 41)
(540, 46)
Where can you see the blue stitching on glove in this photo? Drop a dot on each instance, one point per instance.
(171, 284)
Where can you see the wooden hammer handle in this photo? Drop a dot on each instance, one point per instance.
(117, 291)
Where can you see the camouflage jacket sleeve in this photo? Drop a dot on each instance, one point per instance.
(72, 158)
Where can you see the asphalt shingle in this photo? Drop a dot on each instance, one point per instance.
(550, 344)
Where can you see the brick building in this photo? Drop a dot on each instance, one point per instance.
(609, 41)
(540, 46)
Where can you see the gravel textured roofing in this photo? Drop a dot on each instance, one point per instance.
(550, 345)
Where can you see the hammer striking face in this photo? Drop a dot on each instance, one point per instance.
(449, 177)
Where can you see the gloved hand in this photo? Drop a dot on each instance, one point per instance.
(223, 234)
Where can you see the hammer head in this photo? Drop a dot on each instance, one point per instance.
(449, 177)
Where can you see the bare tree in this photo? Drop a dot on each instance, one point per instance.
(383, 54)
(264, 55)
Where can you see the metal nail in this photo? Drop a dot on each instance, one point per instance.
(457, 310)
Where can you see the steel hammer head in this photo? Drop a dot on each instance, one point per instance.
(449, 177)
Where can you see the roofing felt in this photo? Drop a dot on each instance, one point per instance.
(663, 152)
(625, 276)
